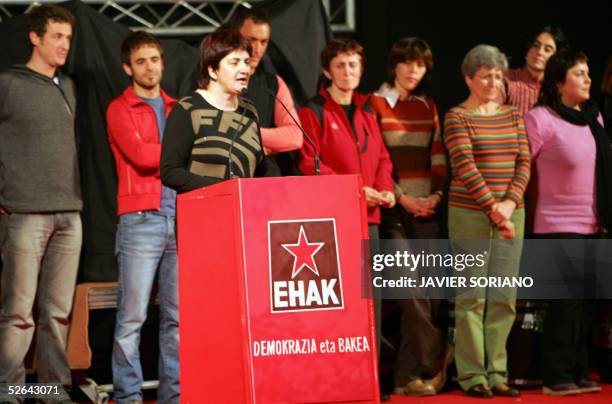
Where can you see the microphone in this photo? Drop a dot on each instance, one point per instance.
(306, 137)
(230, 166)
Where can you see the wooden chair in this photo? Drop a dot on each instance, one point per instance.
(92, 296)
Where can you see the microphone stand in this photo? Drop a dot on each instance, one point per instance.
(308, 138)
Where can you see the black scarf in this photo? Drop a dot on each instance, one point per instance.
(605, 106)
(603, 163)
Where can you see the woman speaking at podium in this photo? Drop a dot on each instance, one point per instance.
(213, 134)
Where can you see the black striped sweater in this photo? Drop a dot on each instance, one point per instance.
(199, 138)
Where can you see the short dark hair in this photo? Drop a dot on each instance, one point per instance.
(554, 31)
(340, 45)
(242, 14)
(409, 49)
(555, 74)
(135, 40)
(41, 15)
(215, 47)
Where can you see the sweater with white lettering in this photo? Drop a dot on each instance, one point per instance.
(199, 140)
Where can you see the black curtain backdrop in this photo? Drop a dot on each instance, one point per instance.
(453, 28)
(94, 63)
(300, 30)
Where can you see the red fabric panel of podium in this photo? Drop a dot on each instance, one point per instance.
(270, 283)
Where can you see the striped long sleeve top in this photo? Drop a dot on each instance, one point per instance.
(521, 90)
(489, 157)
(411, 131)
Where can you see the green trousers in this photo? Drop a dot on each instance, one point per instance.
(482, 322)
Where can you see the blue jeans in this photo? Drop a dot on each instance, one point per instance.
(40, 255)
(146, 241)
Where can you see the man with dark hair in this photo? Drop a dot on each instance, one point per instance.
(146, 239)
(522, 86)
(279, 132)
(40, 203)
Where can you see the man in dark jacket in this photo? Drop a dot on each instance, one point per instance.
(40, 201)
(268, 91)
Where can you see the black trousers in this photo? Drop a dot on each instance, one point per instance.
(565, 345)
(423, 325)
(374, 232)
(567, 328)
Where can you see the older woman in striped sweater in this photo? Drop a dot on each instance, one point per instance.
(489, 158)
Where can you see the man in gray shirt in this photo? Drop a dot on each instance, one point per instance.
(40, 202)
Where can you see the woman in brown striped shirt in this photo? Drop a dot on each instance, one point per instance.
(489, 157)
(408, 119)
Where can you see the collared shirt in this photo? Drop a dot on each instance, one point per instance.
(392, 95)
(411, 131)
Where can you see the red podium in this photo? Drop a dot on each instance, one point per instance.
(270, 293)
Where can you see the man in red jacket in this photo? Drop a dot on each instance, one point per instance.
(146, 237)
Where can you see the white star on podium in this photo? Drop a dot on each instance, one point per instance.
(303, 253)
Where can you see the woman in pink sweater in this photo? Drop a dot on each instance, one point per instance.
(572, 161)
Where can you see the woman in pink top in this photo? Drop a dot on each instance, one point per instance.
(572, 161)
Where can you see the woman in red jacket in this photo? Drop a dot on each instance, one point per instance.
(346, 135)
(345, 131)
